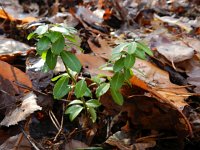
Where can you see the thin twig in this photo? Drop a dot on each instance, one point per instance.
(50, 115)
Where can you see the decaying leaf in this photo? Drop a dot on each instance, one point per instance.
(28, 106)
(159, 80)
(175, 52)
(74, 144)
(15, 77)
(104, 50)
(12, 142)
(88, 64)
(174, 21)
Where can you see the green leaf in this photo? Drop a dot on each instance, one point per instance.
(93, 103)
(44, 54)
(102, 89)
(41, 29)
(51, 60)
(61, 88)
(75, 102)
(73, 111)
(71, 38)
(59, 76)
(129, 61)
(117, 96)
(60, 29)
(119, 64)
(45, 68)
(132, 48)
(145, 48)
(117, 81)
(54, 36)
(71, 61)
(128, 74)
(43, 44)
(58, 45)
(115, 56)
(140, 54)
(92, 113)
(88, 93)
(119, 48)
(80, 88)
(31, 35)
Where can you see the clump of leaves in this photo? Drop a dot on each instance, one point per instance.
(56, 40)
(123, 59)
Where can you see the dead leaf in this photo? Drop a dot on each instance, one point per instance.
(74, 145)
(12, 143)
(10, 47)
(120, 139)
(158, 80)
(28, 106)
(103, 50)
(14, 76)
(92, 64)
(174, 21)
(175, 52)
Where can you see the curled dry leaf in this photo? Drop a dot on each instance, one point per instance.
(158, 80)
(28, 106)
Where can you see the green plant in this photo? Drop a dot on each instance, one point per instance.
(54, 41)
(122, 60)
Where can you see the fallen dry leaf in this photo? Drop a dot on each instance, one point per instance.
(12, 142)
(28, 106)
(103, 50)
(175, 52)
(158, 80)
(14, 76)
(174, 21)
(92, 64)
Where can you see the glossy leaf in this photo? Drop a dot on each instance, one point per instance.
(51, 60)
(73, 111)
(75, 102)
(80, 88)
(43, 44)
(102, 89)
(60, 29)
(93, 103)
(92, 114)
(128, 74)
(117, 81)
(119, 64)
(145, 48)
(140, 54)
(41, 29)
(71, 38)
(132, 48)
(119, 48)
(61, 88)
(31, 35)
(129, 61)
(88, 93)
(71, 61)
(117, 96)
(59, 76)
(58, 45)
(54, 36)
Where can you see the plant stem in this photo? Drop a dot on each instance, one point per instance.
(73, 79)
